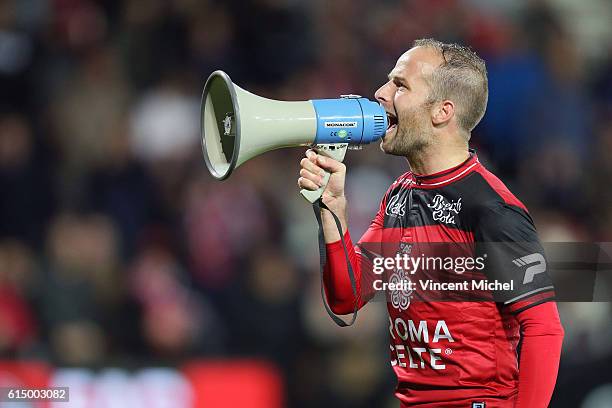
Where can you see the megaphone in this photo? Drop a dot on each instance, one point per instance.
(237, 125)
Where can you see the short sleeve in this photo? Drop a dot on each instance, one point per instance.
(506, 236)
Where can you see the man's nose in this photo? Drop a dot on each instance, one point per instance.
(382, 94)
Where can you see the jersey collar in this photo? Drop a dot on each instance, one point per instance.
(449, 175)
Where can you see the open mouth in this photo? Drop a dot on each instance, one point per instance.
(391, 121)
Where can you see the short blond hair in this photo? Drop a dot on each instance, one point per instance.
(461, 78)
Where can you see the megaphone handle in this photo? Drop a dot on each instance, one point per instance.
(336, 152)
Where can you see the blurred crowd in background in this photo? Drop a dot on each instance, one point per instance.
(118, 248)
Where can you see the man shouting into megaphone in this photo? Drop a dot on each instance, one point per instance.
(447, 353)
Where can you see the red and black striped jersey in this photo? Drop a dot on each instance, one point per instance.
(460, 348)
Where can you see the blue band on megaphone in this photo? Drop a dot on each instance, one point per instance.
(349, 120)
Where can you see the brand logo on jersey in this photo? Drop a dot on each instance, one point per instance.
(444, 211)
(413, 346)
(539, 265)
(400, 299)
(396, 206)
(479, 405)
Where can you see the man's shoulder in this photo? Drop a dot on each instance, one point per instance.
(400, 183)
(487, 192)
(401, 180)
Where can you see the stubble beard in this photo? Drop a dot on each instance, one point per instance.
(412, 135)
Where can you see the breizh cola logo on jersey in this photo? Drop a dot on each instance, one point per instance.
(443, 210)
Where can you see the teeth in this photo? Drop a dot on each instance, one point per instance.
(391, 121)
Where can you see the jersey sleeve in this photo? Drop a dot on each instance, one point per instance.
(368, 248)
(506, 237)
(337, 285)
(542, 340)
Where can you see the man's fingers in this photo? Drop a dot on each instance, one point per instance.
(314, 168)
(311, 155)
(321, 163)
(307, 184)
(315, 178)
(329, 164)
(311, 167)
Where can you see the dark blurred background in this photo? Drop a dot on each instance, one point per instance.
(118, 249)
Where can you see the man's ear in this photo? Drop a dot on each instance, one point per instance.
(442, 113)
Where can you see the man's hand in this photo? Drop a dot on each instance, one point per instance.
(311, 178)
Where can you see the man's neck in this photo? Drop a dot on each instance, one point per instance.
(433, 159)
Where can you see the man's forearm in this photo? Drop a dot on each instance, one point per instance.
(542, 340)
(330, 229)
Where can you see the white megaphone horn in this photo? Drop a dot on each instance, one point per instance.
(237, 125)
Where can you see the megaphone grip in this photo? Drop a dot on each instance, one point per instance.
(313, 195)
(334, 151)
